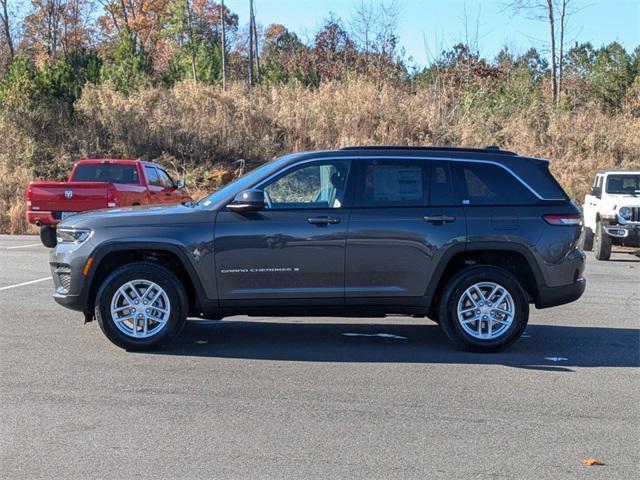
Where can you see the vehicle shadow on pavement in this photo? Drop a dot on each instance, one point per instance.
(542, 347)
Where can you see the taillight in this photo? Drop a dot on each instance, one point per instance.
(29, 195)
(112, 197)
(563, 219)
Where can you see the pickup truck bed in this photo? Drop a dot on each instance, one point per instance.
(98, 184)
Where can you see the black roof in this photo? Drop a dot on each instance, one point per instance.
(487, 150)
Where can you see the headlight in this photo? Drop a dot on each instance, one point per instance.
(72, 235)
(625, 212)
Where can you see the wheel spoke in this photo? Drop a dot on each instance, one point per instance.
(469, 320)
(124, 319)
(501, 298)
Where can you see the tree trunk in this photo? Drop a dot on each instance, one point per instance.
(192, 44)
(554, 69)
(255, 44)
(223, 47)
(7, 29)
(250, 43)
(563, 11)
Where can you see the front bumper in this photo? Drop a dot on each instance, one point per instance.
(627, 235)
(66, 262)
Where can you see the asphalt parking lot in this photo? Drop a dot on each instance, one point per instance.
(318, 398)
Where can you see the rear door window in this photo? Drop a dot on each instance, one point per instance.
(486, 184)
(395, 183)
(441, 185)
(106, 172)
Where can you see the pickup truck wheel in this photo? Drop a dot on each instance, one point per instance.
(586, 239)
(601, 243)
(48, 236)
(141, 306)
(483, 309)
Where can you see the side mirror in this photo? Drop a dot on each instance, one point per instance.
(180, 184)
(247, 201)
(596, 191)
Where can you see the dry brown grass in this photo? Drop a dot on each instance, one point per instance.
(200, 131)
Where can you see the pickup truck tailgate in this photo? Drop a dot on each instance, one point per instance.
(68, 197)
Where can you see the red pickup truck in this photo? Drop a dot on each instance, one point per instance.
(95, 184)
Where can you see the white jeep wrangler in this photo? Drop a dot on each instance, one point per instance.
(612, 212)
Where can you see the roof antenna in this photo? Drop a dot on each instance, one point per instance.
(492, 147)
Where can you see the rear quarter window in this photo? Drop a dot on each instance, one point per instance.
(487, 184)
(106, 172)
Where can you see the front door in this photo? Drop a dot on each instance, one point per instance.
(295, 247)
(404, 219)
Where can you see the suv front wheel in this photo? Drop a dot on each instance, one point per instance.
(483, 309)
(141, 306)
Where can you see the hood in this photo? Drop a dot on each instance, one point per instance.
(138, 216)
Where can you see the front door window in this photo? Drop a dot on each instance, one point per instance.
(320, 185)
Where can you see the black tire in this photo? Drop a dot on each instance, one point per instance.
(456, 287)
(586, 239)
(601, 243)
(142, 271)
(48, 236)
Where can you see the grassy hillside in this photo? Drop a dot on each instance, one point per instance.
(200, 131)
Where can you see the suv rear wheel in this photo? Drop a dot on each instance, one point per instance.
(141, 306)
(483, 309)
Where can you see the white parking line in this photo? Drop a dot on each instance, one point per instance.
(23, 246)
(24, 283)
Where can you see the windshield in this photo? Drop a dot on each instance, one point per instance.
(246, 181)
(623, 184)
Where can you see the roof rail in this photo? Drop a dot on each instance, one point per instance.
(492, 149)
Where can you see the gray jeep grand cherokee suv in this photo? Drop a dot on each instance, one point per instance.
(466, 237)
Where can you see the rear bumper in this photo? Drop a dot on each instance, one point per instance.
(38, 217)
(554, 296)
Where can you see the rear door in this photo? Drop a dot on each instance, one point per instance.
(405, 218)
(498, 205)
(292, 249)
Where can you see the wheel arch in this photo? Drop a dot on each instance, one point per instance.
(170, 255)
(514, 258)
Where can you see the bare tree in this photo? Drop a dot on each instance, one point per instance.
(6, 28)
(192, 46)
(556, 13)
(251, 18)
(223, 46)
(255, 43)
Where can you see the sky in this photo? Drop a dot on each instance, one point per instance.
(427, 27)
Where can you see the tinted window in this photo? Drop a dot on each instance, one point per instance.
(106, 172)
(321, 185)
(486, 184)
(441, 186)
(152, 176)
(623, 184)
(165, 179)
(395, 183)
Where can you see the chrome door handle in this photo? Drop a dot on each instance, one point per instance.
(439, 219)
(323, 220)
